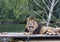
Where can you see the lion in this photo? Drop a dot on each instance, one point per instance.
(33, 27)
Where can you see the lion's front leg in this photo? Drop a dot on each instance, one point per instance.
(49, 30)
(52, 32)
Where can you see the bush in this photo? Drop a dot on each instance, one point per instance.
(57, 20)
(53, 19)
(22, 18)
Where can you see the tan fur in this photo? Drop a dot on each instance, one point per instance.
(32, 21)
(58, 29)
(44, 29)
(51, 30)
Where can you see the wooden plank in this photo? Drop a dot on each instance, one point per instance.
(21, 34)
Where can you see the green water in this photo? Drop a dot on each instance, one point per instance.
(16, 27)
(12, 27)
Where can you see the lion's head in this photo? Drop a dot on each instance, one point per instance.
(31, 23)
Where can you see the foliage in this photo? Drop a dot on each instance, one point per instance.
(49, 7)
(17, 11)
(53, 20)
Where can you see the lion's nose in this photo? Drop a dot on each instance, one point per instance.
(31, 26)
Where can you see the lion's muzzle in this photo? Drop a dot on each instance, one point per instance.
(31, 28)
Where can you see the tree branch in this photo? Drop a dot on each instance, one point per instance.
(56, 2)
(50, 1)
(45, 4)
(39, 5)
(40, 16)
(46, 14)
(50, 13)
(56, 10)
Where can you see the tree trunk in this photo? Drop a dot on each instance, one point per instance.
(49, 18)
(50, 13)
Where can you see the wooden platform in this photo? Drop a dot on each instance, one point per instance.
(21, 36)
